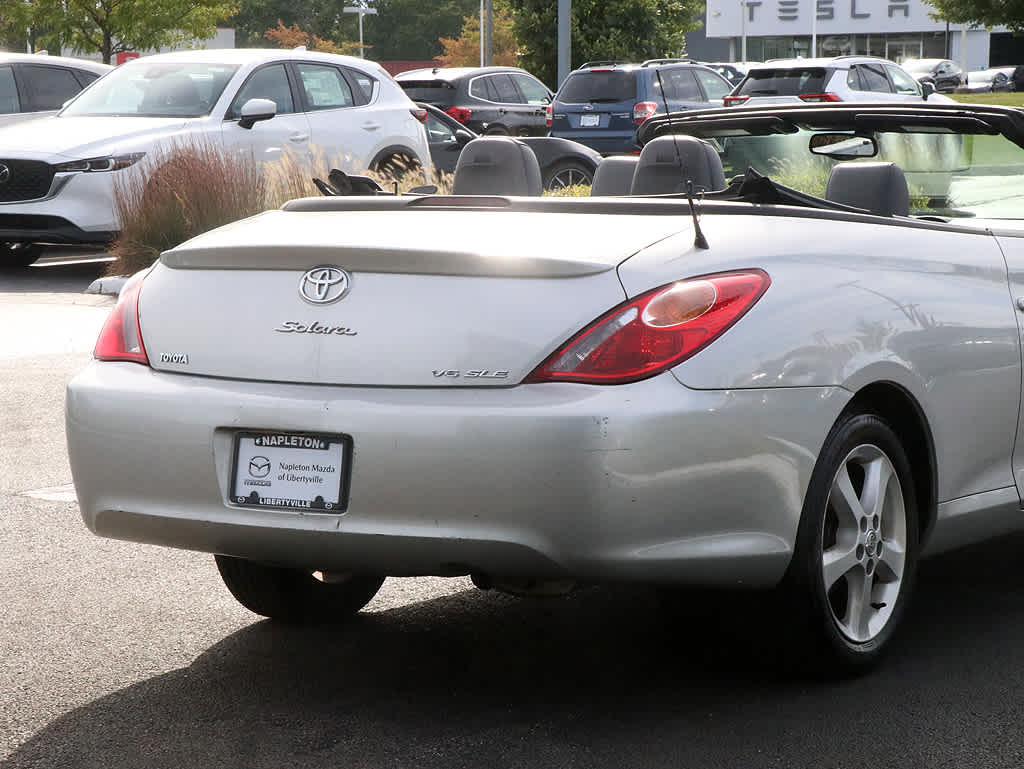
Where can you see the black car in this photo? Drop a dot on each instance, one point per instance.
(601, 104)
(563, 163)
(503, 101)
(944, 74)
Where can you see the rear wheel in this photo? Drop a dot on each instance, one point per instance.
(296, 595)
(17, 255)
(496, 130)
(857, 546)
(567, 173)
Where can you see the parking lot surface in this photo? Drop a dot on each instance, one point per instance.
(116, 655)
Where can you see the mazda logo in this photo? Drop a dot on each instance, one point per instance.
(324, 284)
(5, 173)
(259, 467)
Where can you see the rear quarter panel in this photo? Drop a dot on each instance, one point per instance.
(854, 302)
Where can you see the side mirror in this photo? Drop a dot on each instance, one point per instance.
(463, 137)
(927, 89)
(255, 110)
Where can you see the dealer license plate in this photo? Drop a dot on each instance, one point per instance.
(589, 121)
(296, 471)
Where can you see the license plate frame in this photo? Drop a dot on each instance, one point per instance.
(286, 460)
(590, 121)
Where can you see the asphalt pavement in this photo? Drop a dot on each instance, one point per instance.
(117, 655)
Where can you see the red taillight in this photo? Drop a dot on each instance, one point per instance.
(643, 110)
(549, 117)
(459, 113)
(819, 97)
(654, 331)
(121, 336)
(730, 101)
(419, 114)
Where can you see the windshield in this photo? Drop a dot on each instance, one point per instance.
(791, 81)
(439, 92)
(950, 175)
(598, 86)
(164, 89)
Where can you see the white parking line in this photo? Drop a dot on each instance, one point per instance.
(65, 493)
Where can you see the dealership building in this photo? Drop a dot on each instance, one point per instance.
(893, 29)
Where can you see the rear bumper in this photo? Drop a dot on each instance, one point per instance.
(650, 481)
(619, 143)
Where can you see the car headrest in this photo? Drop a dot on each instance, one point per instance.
(614, 176)
(667, 164)
(880, 188)
(497, 166)
(173, 91)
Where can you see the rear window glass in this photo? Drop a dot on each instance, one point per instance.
(792, 81)
(431, 91)
(598, 87)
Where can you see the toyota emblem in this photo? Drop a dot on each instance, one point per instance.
(324, 284)
(5, 173)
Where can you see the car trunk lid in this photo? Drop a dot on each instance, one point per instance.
(435, 298)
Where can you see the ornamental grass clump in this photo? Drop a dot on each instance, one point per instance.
(181, 191)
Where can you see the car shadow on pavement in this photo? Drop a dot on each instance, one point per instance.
(607, 677)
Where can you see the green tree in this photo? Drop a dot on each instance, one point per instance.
(322, 18)
(294, 36)
(630, 30)
(464, 51)
(412, 29)
(401, 30)
(986, 13)
(112, 26)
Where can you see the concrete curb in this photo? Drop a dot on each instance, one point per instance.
(111, 286)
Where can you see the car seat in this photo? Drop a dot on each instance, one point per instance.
(497, 166)
(880, 188)
(173, 92)
(669, 163)
(614, 176)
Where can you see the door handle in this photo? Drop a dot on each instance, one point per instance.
(298, 138)
(370, 126)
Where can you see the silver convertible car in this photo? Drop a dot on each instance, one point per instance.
(780, 349)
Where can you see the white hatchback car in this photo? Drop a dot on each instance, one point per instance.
(57, 175)
(843, 78)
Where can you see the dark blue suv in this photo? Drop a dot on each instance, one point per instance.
(601, 104)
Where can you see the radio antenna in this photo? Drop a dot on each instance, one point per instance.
(699, 241)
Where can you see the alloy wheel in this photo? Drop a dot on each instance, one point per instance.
(864, 543)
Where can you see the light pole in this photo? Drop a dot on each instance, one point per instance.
(814, 29)
(564, 39)
(362, 11)
(743, 30)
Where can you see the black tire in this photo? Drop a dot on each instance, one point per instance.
(14, 256)
(848, 623)
(295, 595)
(497, 130)
(567, 173)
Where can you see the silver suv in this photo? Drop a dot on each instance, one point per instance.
(844, 78)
